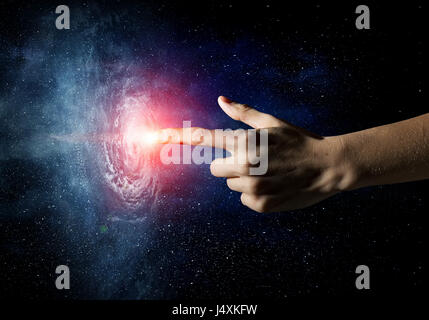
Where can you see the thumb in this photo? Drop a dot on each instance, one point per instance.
(248, 115)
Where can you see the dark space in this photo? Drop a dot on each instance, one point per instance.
(188, 236)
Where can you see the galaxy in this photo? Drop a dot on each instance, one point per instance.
(76, 189)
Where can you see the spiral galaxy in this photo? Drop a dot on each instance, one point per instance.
(128, 166)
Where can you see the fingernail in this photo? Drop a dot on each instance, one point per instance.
(225, 99)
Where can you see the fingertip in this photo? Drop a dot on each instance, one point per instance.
(161, 136)
(227, 106)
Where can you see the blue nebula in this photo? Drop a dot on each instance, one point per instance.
(173, 231)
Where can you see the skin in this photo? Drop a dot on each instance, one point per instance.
(304, 168)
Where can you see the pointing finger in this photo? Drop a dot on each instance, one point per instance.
(218, 138)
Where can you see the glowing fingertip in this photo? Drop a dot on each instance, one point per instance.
(150, 137)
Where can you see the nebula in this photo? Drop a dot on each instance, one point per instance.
(76, 189)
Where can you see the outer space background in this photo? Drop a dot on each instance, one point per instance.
(130, 227)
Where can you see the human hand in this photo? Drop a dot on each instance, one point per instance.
(303, 168)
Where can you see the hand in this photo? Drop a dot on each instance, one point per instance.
(303, 168)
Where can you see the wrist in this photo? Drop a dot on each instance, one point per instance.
(346, 172)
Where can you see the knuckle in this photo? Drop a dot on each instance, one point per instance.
(256, 203)
(255, 186)
(264, 205)
(244, 107)
(244, 110)
(253, 159)
(243, 169)
(213, 168)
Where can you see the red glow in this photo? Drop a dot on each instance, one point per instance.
(139, 137)
(133, 169)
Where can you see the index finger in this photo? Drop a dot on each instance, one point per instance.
(217, 138)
